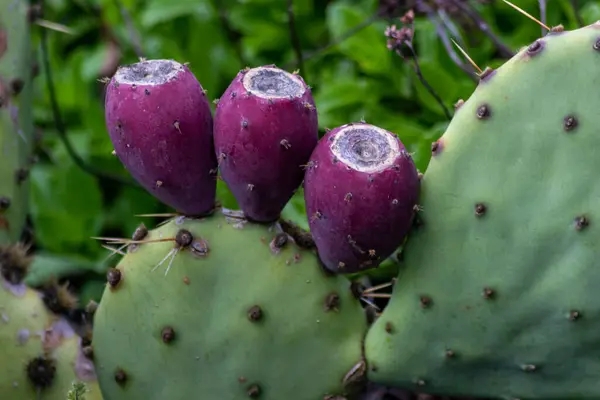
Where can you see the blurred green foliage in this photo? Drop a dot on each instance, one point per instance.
(357, 78)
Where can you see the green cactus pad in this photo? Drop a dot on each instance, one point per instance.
(16, 122)
(243, 312)
(499, 293)
(40, 355)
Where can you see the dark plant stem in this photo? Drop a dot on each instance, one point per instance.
(233, 36)
(133, 34)
(61, 128)
(543, 14)
(294, 37)
(349, 33)
(448, 24)
(504, 50)
(443, 35)
(419, 74)
(575, 6)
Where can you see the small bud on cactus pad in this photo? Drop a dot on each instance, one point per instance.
(361, 189)
(265, 128)
(160, 123)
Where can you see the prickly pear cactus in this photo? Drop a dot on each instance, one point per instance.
(41, 353)
(243, 312)
(498, 297)
(16, 126)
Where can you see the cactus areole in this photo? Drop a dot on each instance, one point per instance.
(361, 190)
(160, 123)
(265, 129)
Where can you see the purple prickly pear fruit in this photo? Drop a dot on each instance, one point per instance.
(160, 123)
(361, 190)
(265, 129)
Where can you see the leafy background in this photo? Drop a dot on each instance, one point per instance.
(352, 79)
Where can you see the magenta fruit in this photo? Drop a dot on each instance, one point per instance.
(160, 123)
(265, 129)
(361, 190)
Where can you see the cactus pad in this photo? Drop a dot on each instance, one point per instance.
(243, 310)
(498, 297)
(16, 123)
(41, 353)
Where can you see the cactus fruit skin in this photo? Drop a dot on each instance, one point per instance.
(243, 310)
(265, 128)
(498, 294)
(31, 336)
(361, 188)
(16, 121)
(160, 123)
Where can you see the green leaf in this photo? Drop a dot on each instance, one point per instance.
(407, 129)
(159, 11)
(46, 265)
(92, 290)
(207, 42)
(426, 41)
(66, 208)
(344, 92)
(590, 12)
(295, 210)
(264, 26)
(131, 202)
(225, 196)
(266, 36)
(368, 46)
(442, 83)
(94, 58)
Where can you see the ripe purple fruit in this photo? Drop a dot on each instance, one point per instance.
(361, 190)
(160, 123)
(265, 129)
